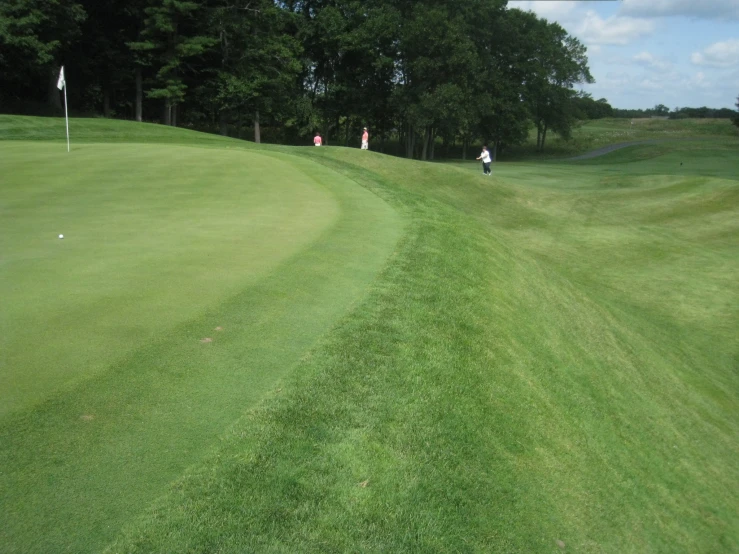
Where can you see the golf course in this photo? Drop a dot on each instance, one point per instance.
(212, 345)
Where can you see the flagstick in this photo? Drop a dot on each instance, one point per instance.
(66, 113)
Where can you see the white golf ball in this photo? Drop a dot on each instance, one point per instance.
(61, 236)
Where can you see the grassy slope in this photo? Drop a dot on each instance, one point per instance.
(598, 133)
(111, 393)
(539, 364)
(549, 356)
(92, 130)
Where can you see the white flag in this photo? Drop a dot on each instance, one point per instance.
(61, 83)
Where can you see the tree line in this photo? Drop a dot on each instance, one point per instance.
(660, 110)
(424, 72)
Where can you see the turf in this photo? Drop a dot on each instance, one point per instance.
(591, 135)
(105, 368)
(547, 361)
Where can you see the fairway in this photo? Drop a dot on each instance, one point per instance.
(243, 348)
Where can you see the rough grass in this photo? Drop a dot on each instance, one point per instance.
(595, 134)
(547, 362)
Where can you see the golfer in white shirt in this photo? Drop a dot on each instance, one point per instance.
(485, 157)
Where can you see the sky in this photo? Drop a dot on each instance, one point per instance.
(680, 53)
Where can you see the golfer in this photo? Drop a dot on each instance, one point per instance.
(317, 141)
(485, 157)
(365, 139)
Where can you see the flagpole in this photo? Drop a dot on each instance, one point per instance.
(61, 84)
(66, 113)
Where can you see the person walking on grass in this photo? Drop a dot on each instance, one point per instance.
(317, 140)
(365, 139)
(486, 159)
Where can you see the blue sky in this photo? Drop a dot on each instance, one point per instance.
(681, 53)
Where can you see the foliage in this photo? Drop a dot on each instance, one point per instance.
(415, 70)
(35, 36)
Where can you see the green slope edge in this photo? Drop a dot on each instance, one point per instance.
(489, 396)
(68, 482)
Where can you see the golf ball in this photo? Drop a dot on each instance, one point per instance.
(61, 236)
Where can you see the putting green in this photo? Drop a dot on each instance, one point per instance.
(152, 236)
(188, 282)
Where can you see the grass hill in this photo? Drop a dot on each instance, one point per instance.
(412, 357)
(591, 135)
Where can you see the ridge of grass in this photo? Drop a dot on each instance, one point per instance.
(529, 372)
(94, 130)
(586, 136)
(149, 273)
(546, 362)
(591, 135)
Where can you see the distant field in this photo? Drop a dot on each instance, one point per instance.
(404, 356)
(595, 134)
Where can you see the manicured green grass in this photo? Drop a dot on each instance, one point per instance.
(546, 361)
(104, 130)
(108, 390)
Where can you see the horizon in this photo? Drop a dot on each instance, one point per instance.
(673, 52)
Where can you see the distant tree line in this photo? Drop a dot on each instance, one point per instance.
(660, 110)
(423, 71)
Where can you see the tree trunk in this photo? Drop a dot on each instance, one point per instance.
(106, 103)
(174, 115)
(495, 150)
(425, 147)
(257, 131)
(139, 95)
(167, 114)
(464, 148)
(223, 124)
(410, 144)
(538, 136)
(346, 134)
(543, 138)
(54, 96)
(432, 145)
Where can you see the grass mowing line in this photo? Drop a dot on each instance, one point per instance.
(483, 399)
(79, 465)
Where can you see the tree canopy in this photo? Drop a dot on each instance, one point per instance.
(422, 71)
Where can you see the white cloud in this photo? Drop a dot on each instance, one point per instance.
(640, 89)
(614, 30)
(699, 81)
(670, 87)
(700, 9)
(719, 54)
(652, 62)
